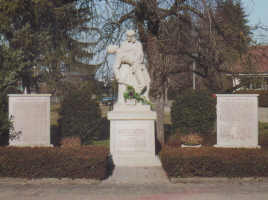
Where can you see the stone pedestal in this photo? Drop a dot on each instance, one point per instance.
(31, 118)
(132, 136)
(237, 120)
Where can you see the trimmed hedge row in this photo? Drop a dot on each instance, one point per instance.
(214, 162)
(49, 162)
(194, 112)
(263, 98)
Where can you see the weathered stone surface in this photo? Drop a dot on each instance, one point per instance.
(31, 117)
(132, 136)
(129, 68)
(237, 120)
(138, 175)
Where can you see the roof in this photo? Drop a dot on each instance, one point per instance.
(255, 61)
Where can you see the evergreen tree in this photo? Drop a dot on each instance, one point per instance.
(234, 30)
(44, 31)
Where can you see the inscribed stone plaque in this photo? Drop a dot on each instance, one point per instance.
(131, 140)
(31, 117)
(132, 136)
(237, 121)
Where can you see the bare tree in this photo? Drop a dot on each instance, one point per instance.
(174, 33)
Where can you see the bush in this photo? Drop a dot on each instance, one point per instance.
(6, 125)
(174, 140)
(191, 139)
(214, 162)
(48, 162)
(263, 96)
(71, 142)
(194, 111)
(80, 115)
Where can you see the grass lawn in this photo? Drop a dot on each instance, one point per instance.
(105, 143)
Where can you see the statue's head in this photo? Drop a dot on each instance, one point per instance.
(131, 36)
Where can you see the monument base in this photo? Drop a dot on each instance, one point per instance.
(29, 145)
(238, 146)
(136, 161)
(132, 136)
(138, 175)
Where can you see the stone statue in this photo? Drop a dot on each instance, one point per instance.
(129, 67)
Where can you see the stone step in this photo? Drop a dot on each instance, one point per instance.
(138, 175)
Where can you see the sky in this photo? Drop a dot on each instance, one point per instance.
(257, 11)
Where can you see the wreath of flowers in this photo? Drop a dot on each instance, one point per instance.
(132, 94)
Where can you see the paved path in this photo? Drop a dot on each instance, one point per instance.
(52, 189)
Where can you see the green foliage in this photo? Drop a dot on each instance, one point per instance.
(214, 162)
(6, 126)
(194, 112)
(132, 94)
(45, 32)
(233, 24)
(85, 162)
(80, 115)
(5, 123)
(9, 66)
(263, 134)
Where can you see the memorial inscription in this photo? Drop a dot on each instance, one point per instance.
(31, 116)
(131, 140)
(237, 121)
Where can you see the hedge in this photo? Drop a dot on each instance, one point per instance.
(49, 162)
(80, 115)
(263, 96)
(214, 162)
(194, 112)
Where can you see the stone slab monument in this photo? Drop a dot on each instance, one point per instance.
(237, 120)
(132, 123)
(31, 119)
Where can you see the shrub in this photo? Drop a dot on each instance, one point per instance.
(80, 115)
(194, 111)
(6, 125)
(71, 142)
(214, 162)
(174, 140)
(191, 139)
(48, 162)
(263, 96)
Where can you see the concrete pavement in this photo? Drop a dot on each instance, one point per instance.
(83, 189)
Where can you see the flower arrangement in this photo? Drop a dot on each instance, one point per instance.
(132, 94)
(191, 139)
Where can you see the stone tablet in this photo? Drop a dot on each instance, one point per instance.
(132, 136)
(237, 120)
(31, 117)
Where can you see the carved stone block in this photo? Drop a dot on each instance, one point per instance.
(31, 119)
(237, 120)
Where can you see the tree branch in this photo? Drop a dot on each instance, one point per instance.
(126, 17)
(130, 2)
(175, 8)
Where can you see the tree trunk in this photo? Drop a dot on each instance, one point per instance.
(160, 134)
(157, 83)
